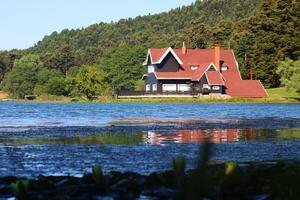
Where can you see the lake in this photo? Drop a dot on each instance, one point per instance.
(70, 138)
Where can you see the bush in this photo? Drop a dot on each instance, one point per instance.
(20, 81)
(56, 86)
(289, 71)
(88, 82)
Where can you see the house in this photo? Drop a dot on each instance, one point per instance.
(198, 72)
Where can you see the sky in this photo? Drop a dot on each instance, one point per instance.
(25, 22)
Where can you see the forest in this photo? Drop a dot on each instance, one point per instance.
(106, 57)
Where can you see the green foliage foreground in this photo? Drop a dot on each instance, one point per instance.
(229, 180)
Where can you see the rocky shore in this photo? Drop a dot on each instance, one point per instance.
(267, 180)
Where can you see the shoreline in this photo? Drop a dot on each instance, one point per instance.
(268, 179)
(269, 100)
(276, 95)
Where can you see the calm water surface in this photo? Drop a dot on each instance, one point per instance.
(68, 139)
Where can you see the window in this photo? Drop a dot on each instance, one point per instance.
(154, 87)
(169, 87)
(216, 87)
(183, 87)
(194, 67)
(151, 69)
(148, 88)
(206, 86)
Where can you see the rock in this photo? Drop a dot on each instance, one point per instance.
(30, 97)
(261, 197)
(60, 183)
(128, 188)
(10, 179)
(88, 178)
(161, 192)
(103, 198)
(5, 189)
(7, 197)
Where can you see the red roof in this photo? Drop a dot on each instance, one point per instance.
(245, 88)
(203, 58)
(177, 75)
(214, 78)
(156, 54)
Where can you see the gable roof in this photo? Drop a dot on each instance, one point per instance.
(214, 78)
(197, 74)
(158, 55)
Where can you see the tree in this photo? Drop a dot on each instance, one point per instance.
(242, 41)
(199, 34)
(56, 86)
(88, 82)
(156, 30)
(289, 71)
(49, 82)
(45, 74)
(62, 59)
(221, 33)
(7, 59)
(123, 66)
(268, 36)
(23, 76)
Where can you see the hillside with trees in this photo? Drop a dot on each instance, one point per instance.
(266, 32)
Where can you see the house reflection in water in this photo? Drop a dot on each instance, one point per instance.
(197, 136)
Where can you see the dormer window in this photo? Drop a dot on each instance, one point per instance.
(151, 69)
(194, 67)
(224, 68)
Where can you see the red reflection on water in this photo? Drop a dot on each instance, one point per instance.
(197, 136)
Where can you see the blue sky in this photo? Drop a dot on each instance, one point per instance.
(24, 22)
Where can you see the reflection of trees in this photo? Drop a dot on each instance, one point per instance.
(180, 136)
(288, 133)
(258, 134)
(101, 138)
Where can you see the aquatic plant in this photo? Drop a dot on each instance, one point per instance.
(230, 167)
(20, 188)
(179, 166)
(198, 183)
(257, 180)
(179, 169)
(98, 176)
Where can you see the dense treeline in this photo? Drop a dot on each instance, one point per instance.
(152, 30)
(265, 32)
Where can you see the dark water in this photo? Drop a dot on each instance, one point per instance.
(68, 139)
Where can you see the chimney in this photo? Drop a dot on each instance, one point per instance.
(217, 56)
(184, 49)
